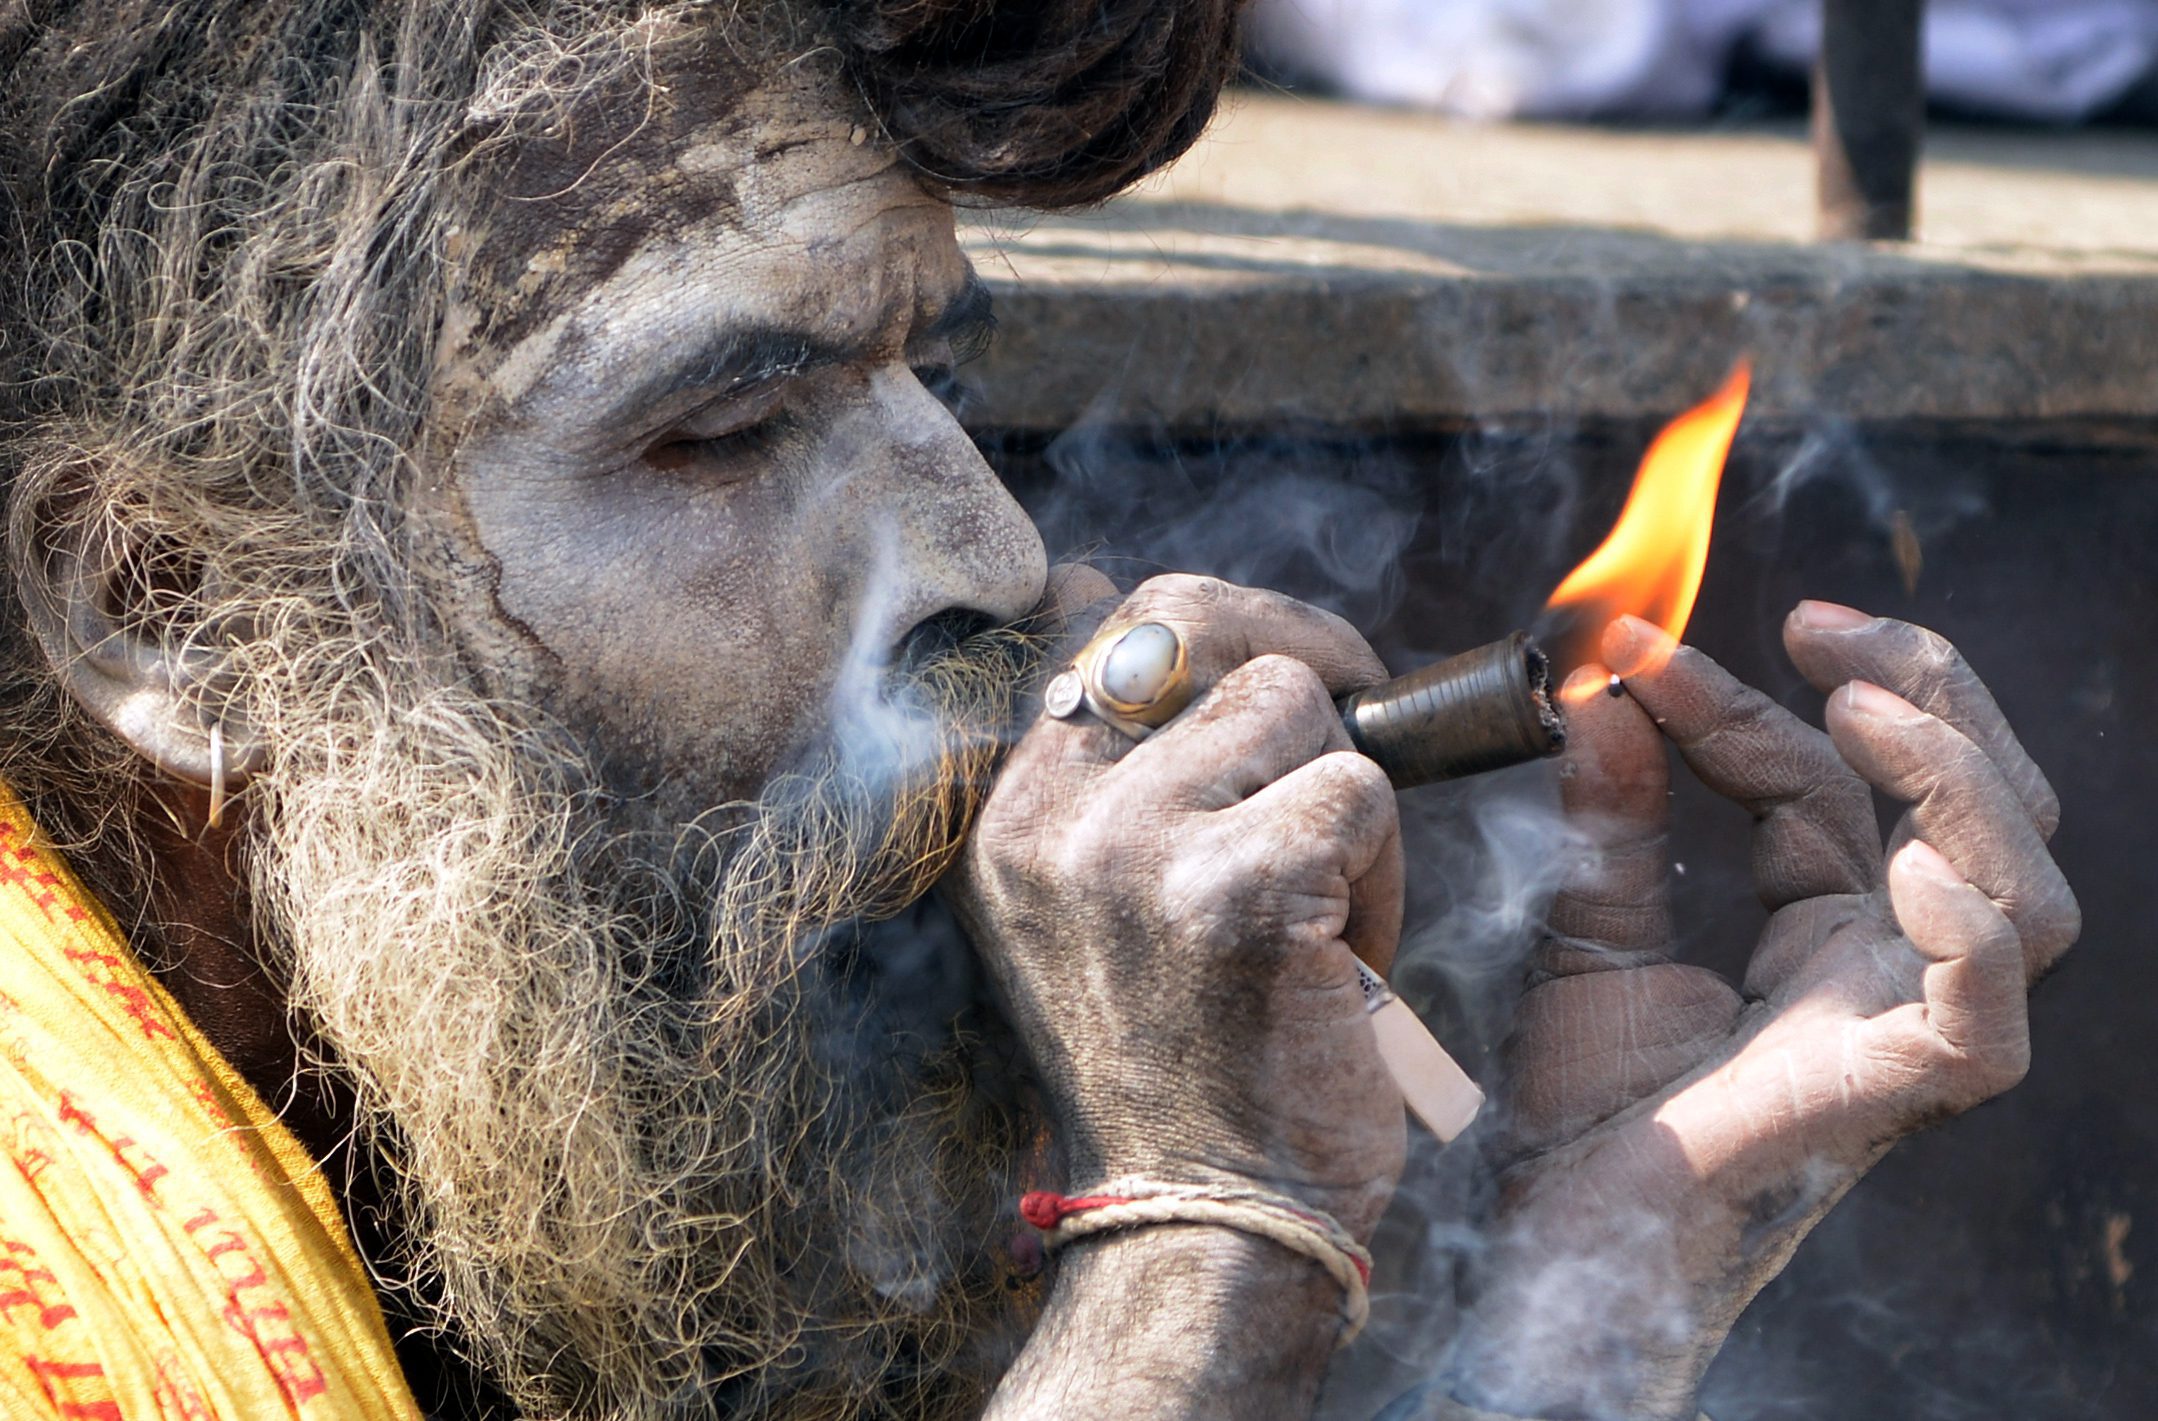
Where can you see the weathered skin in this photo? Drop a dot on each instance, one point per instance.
(1171, 926)
(1674, 1138)
(692, 605)
(687, 577)
(774, 566)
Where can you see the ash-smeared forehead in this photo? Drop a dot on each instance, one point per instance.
(727, 201)
(675, 143)
(562, 197)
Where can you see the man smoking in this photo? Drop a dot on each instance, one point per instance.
(498, 603)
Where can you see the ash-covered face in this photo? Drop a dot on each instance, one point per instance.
(694, 500)
(690, 421)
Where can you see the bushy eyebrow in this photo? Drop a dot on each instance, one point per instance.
(740, 358)
(730, 360)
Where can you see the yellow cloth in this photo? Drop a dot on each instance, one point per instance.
(167, 1248)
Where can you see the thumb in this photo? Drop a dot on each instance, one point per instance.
(1078, 598)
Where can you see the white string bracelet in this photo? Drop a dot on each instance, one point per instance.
(1135, 1203)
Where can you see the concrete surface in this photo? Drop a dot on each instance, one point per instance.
(1319, 263)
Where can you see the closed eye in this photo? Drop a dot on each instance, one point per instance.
(743, 424)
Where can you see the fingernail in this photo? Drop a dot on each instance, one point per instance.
(1869, 699)
(1829, 616)
(1926, 861)
(1632, 646)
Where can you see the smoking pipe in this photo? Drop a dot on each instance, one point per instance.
(1486, 709)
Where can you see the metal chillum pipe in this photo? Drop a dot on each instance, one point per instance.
(1483, 710)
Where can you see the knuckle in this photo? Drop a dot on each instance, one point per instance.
(1956, 759)
(1361, 782)
(1177, 594)
(1935, 657)
(1844, 801)
(2046, 812)
(1998, 1064)
(1091, 837)
(1747, 711)
(1293, 686)
(1349, 644)
(2053, 922)
(1343, 799)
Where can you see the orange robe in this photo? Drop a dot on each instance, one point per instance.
(167, 1248)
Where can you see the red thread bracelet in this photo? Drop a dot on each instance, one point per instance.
(1134, 1203)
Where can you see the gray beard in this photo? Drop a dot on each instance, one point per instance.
(664, 1139)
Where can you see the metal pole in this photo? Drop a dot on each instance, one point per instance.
(1869, 112)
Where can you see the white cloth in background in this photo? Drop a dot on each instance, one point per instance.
(2049, 60)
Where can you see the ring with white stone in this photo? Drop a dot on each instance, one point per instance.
(1134, 678)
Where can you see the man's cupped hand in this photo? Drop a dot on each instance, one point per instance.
(1671, 1139)
(1172, 926)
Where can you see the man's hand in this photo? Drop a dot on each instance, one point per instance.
(1672, 1140)
(1172, 926)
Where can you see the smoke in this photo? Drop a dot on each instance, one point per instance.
(1832, 455)
(648, 1097)
(1436, 544)
(1350, 526)
(1244, 512)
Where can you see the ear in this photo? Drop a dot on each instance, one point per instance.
(102, 606)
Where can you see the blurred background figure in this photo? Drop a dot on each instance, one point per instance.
(2051, 61)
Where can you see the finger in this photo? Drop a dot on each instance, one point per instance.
(1963, 806)
(1975, 1002)
(1833, 645)
(1074, 603)
(1327, 838)
(1615, 789)
(1610, 1019)
(1377, 902)
(1224, 626)
(1814, 827)
(1074, 590)
(1259, 722)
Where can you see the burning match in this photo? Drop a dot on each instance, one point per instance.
(1493, 707)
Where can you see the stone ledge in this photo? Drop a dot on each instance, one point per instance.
(1195, 304)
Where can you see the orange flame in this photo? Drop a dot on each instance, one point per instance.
(1651, 564)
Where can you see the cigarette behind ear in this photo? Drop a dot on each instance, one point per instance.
(1436, 1090)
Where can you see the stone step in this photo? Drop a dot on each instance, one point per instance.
(1327, 265)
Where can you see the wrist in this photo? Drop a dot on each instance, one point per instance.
(1586, 1306)
(1597, 1304)
(1177, 1320)
(1354, 1193)
(1236, 1311)
(1138, 1203)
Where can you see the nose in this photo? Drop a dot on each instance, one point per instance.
(954, 537)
